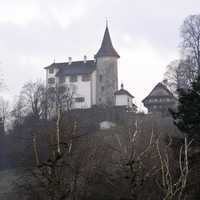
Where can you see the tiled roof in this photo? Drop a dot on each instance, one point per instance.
(56, 65)
(75, 68)
(123, 92)
(107, 48)
(160, 90)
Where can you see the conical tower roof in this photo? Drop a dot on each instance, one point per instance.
(107, 48)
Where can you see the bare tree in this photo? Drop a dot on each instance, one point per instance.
(139, 162)
(4, 112)
(190, 33)
(58, 99)
(54, 172)
(18, 112)
(179, 74)
(173, 186)
(122, 163)
(2, 83)
(171, 75)
(33, 97)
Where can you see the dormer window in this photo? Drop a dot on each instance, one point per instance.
(51, 80)
(51, 70)
(86, 77)
(79, 99)
(62, 89)
(62, 79)
(100, 78)
(73, 79)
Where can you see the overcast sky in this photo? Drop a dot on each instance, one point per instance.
(145, 33)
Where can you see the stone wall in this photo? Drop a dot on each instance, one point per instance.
(92, 117)
(89, 120)
(106, 80)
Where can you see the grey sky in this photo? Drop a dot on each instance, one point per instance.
(145, 33)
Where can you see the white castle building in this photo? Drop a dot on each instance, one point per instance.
(92, 82)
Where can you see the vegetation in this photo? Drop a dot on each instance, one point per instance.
(187, 116)
(142, 157)
(182, 72)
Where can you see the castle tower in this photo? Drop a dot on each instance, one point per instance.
(106, 72)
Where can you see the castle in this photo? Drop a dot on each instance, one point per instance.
(95, 82)
(92, 82)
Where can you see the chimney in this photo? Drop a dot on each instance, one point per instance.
(85, 58)
(70, 61)
(95, 59)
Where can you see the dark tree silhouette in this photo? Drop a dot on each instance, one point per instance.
(187, 116)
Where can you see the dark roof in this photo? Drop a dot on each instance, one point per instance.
(75, 68)
(122, 92)
(160, 90)
(56, 65)
(107, 48)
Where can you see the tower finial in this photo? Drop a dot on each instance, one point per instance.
(107, 48)
(106, 22)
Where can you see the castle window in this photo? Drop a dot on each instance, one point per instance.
(73, 79)
(79, 99)
(100, 77)
(51, 70)
(86, 77)
(99, 99)
(62, 89)
(51, 80)
(102, 88)
(62, 79)
(51, 90)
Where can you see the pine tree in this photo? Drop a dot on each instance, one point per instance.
(187, 116)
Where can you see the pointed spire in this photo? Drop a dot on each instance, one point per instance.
(107, 48)
(106, 22)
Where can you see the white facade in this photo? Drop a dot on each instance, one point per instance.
(124, 100)
(83, 92)
(51, 74)
(93, 87)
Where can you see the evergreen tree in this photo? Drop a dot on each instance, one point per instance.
(187, 116)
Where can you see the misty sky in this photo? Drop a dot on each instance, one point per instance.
(145, 33)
